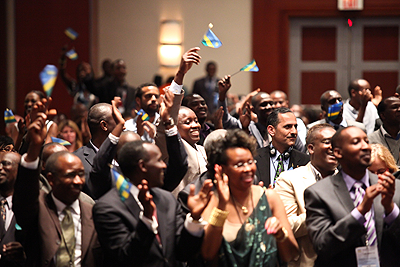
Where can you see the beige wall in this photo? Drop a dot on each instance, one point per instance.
(129, 30)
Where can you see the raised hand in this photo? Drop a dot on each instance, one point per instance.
(166, 105)
(189, 58)
(377, 96)
(223, 86)
(218, 118)
(197, 203)
(245, 118)
(366, 204)
(115, 103)
(221, 183)
(146, 199)
(386, 186)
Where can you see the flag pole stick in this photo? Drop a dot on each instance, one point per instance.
(235, 73)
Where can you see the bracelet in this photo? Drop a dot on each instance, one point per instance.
(218, 217)
(285, 235)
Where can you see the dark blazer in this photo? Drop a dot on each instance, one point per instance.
(127, 241)
(86, 154)
(36, 213)
(335, 233)
(297, 159)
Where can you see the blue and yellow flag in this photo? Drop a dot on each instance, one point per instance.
(71, 33)
(211, 40)
(123, 186)
(145, 116)
(252, 66)
(334, 111)
(60, 141)
(9, 116)
(72, 54)
(48, 77)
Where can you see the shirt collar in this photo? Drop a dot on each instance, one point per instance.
(385, 133)
(350, 181)
(316, 172)
(61, 206)
(95, 147)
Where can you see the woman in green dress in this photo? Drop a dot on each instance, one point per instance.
(247, 225)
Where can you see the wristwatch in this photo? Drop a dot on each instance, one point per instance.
(169, 123)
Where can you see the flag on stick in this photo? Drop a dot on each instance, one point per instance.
(252, 66)
(71, 33)
(210, 39)
(145, 116)
(123, 186)
(60, 141)
(9, 116)
(48, 77)
(71, 54)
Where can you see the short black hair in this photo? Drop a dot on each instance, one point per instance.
(353, 85)
(96, 114)
(273, 118)
(129, 156)
(216, 154)
(337, 138)
(383, 105)
(139, 90)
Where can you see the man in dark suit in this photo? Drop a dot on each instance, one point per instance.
(338, 215)
(280, 155)
(101, 123)
(147, 228)
(12, 253)
(41, 215)
(207, 87)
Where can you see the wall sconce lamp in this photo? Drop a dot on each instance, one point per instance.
(170, 48)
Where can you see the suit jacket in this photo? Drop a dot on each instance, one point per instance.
(334, 231)
(86, 154)
(36, 213)
(127, 241)
(349, 123)
(290, 186)
(297, 159)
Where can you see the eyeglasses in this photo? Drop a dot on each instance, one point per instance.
(5, 164)
(244, 164)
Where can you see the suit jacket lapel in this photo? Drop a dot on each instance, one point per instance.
(342, 192)
(87, 228)
(162, 217)
(263, 166)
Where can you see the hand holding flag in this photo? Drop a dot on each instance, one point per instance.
(48, 77)
(210, 39)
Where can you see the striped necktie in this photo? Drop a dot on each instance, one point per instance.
(279, 169)
(3, 204)
(369, 220)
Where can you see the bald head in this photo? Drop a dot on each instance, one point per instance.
(48, 150)
(126, 137)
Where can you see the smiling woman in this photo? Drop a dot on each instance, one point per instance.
(247, 225)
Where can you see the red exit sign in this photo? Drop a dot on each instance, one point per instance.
(350, 4)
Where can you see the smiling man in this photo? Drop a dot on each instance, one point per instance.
(189, 129)
(291, 185)
(354, 208)
(280, 155)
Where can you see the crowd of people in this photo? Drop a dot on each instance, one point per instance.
(143, 178)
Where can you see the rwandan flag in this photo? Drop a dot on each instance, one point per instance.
(145, 116)
(9, 116)
(123, 186)
(72, 54)
(60, 141)
(71, 33)
(334, 110)
(211, 40)
(48, 77)
(252, 66)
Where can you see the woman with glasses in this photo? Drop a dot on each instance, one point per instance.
(247, 225)
(382, 160)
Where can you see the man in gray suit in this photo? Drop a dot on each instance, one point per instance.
(328, 99)
(339, 212)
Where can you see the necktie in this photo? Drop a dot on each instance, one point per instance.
(66, 251)
(3, 204)
(279, 169)
(369, 220)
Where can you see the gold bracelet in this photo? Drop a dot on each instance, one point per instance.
(218, 217)
(285, 235)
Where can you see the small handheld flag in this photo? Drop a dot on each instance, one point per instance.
(71, 33)
(123, 186)
(71, 54)
(145, 116)
(60, 141)
(9, 116)
(334, 110)
(210, 39)
(252, 66)
(48, 77)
